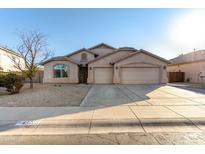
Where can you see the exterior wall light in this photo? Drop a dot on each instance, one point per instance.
(91, 68)
(164, 67)
(116, 68)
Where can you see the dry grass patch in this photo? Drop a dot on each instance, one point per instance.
(45, 96)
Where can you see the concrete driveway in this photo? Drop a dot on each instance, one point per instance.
(144, 109)
(155, 95)
(148, 108)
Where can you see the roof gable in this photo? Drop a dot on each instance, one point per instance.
(102, 45)
(145, 52)
(78, 51)
(114, 52)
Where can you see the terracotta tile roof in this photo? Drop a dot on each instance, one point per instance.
(115, 51)
(63, 58)
(135, 51)
(101, 44)
(145, 52)
(189, 57)
(81, 50)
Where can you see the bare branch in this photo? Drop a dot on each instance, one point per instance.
(17, 63)
(33, 49)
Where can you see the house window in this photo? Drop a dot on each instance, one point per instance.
(60, 71)
(83, 57)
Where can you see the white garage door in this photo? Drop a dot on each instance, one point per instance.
(103, 75)
(139, 75)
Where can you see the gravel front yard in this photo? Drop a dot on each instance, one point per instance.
(45, 96)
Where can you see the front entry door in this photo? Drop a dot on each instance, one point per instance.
(83, 74)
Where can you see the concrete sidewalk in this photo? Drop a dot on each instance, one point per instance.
(82, 120)
(153, 114)
(106, 125)
(107, 139)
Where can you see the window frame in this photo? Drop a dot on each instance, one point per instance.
(61, 76)
(84, 57)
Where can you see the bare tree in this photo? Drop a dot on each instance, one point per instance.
(33, 49)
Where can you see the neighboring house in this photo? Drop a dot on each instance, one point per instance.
(103, 64)
(192, 64)
(7, 57)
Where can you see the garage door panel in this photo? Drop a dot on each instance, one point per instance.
(139, 75)
(103, 75)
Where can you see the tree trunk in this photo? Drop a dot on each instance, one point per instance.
(31, 83)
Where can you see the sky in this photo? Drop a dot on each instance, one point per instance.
(165, 32)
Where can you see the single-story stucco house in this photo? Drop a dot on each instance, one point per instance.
(104, 64)
(192, 64)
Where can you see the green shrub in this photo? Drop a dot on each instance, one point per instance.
(12, 82)
(2, 80)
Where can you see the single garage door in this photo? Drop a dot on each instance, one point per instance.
(103, 75)
(137, 75)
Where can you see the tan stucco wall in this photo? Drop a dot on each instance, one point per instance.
(7, 64)
(141, 58)
(192, 71)
(104, 62)
(77, 57)
(72, 73)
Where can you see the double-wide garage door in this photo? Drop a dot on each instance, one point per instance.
(139, 75)
(103, 75)
(128, 75)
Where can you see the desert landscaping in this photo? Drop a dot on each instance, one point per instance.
(48, 95)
